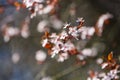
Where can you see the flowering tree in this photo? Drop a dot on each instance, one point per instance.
(53, 34)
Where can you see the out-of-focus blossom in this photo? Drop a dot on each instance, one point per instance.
(72, 10)
(12, 31)
(53, 22)
(40, 56)
(81, 57)
(6, 38)
(42, 25)
(56, 23)
(93, 75)
(47, 78)
(47, 9)
(91, 31)
(86, 32)
(25, 29)
(87, 52)
(15, 57)
(101, 21)
(99, 61)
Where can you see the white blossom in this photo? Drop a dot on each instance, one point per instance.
(44, 42)
(15, 57)
(66, 25)
(101, 20)
(104, 65)
(62, 57)
(80, 20)
(63, 35)
(56, 22)
(41, 25)
(99, 61)
(47, 78)
(74, 32)
(40, 55)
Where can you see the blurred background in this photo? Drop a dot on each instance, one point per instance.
(20, 39)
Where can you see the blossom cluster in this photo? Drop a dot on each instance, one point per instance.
(113, 69)
(40, 6)
(80, 31)
(61, 45)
